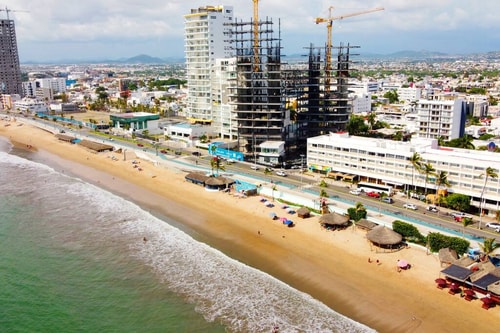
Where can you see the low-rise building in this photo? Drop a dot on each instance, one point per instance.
(388, 162)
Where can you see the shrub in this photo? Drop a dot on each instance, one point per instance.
(409, 232)
(437, 241)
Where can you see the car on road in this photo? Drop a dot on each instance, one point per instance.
(493, 225)
(410, 206)
(355, 191)
(140, 145)
(388, 200)
(281, 173)
(373, 194)
(432, 209)
(459, 216)
(254, 167)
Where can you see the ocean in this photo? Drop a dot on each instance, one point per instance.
(77, 258)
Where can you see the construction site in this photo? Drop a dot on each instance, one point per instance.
(280, 102)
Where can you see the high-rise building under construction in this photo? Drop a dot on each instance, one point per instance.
(10, 70)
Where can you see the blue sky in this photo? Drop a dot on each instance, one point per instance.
(52, 30)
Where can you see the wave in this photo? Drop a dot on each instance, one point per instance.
(222, 289)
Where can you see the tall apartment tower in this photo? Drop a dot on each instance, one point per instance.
(205, 35)
(10, 70)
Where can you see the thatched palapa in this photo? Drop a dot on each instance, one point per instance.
(384, 237)
(334, 220)
(447, 256)
(303, 212)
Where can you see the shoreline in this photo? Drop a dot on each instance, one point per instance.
(334, 270)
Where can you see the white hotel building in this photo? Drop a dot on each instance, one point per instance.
(387, 162)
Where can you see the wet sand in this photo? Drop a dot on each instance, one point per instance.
(331, 266)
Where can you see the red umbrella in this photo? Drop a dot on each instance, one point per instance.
(440, 281)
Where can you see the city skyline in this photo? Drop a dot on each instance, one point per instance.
(51, 30)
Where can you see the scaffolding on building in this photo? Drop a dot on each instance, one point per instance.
(257, 93)
(322, 102)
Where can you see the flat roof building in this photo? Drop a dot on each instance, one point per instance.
(388, 162)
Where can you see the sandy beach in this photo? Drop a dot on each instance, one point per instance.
(332, 267)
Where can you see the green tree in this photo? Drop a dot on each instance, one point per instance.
(466, 221)
(215, 163)
(268, 172)
(392, 95)
(372, 119)
(458, 201)
(415, 163)
(440, 181)
(322, 183)
(489, 173)
(356, 125)
(489, 245)
(428, 170)
(357, 213)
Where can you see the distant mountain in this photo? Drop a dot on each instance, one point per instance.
(407, 55)
(143, 59)
(139, 59)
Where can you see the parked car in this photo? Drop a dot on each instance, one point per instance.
(355, 191)
(373, 194)
(493, 225)
(281, 173)
(432, 209)
(417, 196)
(410, 206)
(388, 200)
(459, 216)
(254, 167)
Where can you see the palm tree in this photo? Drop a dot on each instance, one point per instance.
(441, 180)
(466, 142)
(357, 213)
(372, 118)
(267, 172)
(274, 188)
(489, 245)
(427, 170)
(490, 173)
(466, 221)
(416, 163)
(215, 162)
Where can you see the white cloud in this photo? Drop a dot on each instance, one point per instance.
(131, 21)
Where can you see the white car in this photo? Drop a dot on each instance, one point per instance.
(254, 167)
(281, 173)
(410, 206)
(355, 191)
(493, 225)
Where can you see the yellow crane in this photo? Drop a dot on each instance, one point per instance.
(329, 23)
(7, 11)
(256, 35)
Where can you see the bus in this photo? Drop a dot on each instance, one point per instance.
(372, 187)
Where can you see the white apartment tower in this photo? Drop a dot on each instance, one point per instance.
(223, 82)
(206, 36)
(440, 117)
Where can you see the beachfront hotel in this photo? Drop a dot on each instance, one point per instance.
(388, 162)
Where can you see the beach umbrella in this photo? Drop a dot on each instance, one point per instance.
(402, 263)
(272, 215)
(384, 236)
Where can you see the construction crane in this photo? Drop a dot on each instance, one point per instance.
(7, 10)
(256, 35)
(329, 23)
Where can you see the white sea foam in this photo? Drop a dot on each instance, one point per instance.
(222, 289)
